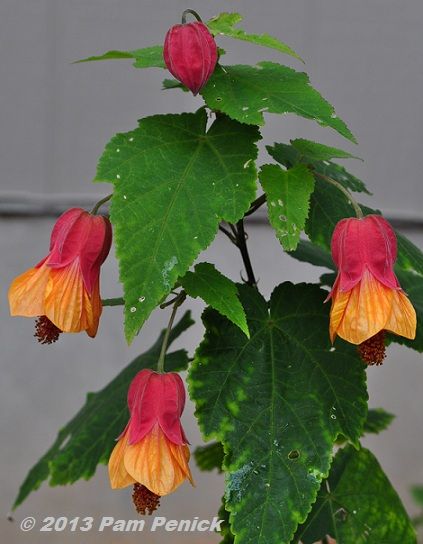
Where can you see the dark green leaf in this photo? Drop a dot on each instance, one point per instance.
(288, 195)
(174, 182)
(358, 505)
(90, 435)
(210, 457)
(277, 402)
(307, 153)
(245, 92)
(224, 25)
(417, 492)
(216, 290)
(148, 57)
(308, 252)
(410, 257)
(378, 420)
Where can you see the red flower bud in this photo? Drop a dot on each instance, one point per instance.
(190, 54)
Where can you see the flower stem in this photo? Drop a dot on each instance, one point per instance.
(177, 302)
(351, 199)
(100, 203)
(192, 12)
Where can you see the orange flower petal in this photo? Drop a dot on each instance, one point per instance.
(402, 319)
(68, 304)
(361, 313)
(158, 463)
(26, 293)
(118, 474)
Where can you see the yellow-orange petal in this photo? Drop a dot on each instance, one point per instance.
(27, 292)
(118, 474)
(362, 312)
(158, 463)
(68, 304)
(402, 319)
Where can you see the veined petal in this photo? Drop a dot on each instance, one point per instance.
(402, 319)
(362, 312)
(27, 292)
(118, 474)
(68, 304)
(157, 463)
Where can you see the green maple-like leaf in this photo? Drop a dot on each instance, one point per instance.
(217, 291)
(378, 420)
(244, 93)
(288, 195)
(148, 57)
(174, 182)
(277, 403)
(224, 25)
(307, 152)
(357, 505)
(90, 435)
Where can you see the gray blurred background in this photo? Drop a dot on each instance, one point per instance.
(55, 118)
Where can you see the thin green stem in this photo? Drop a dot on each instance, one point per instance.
(176, 303)
(113, 301)
(354, 203)
(192, 12)
(100, 203)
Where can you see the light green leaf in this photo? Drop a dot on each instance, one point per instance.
(216, 290)
(89, 437)
(246, 92)
(210, 457)
(224, 25)
(174, 182)
(290, 155)
(358, 505)
(378, 420)
(277, 402)
(148, 57)
(314, 151)
(288, 195)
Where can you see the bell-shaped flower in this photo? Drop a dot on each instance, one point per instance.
(63, 290)
(366, 297)
(152, 452)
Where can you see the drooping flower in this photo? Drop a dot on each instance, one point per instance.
(63, 290)
(152, 452)
(190, 54)
(367, 299)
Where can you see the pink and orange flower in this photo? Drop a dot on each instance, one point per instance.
(63, 290)
(367, 299)
(152, 452)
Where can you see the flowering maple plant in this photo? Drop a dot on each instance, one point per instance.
(279, 385)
